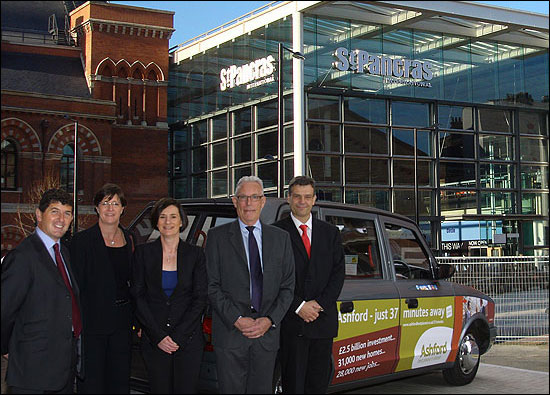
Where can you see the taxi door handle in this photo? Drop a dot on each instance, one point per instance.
(412, 303)
(346, 307)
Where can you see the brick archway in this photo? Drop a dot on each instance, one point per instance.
(23, 133)
(88, 143)
(11, 237)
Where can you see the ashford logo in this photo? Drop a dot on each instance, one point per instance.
(253, 74)
(434, 349)
(399, 71)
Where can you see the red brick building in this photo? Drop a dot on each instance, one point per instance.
(100, 67)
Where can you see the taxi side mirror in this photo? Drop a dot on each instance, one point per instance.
(445, 270)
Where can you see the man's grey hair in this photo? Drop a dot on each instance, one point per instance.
(249, 179)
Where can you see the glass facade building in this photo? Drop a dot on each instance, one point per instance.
(440, 118)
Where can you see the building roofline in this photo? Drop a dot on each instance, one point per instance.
(515, 19)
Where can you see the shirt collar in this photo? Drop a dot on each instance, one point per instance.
(47, 240)
(243, 226)
(297, 222)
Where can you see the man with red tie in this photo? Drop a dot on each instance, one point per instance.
(41, 320)
(311, 323)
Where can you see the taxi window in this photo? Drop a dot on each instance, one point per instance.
(360, 246)
(409, 258)
(210, 221)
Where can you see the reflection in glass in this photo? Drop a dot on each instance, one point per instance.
(323, 138)
(456, 174)
(496, 147)
(267, 114)
(180, 139)
(329, 194)
(289, 139)
(289, 169)
(219, 154)
(242, 121)
(323, 107)
(495, 120)
(456, 145)
(534, 177)
(198, 159)
(456, 117)
(496, 203)
(358, 109)
(268, 173)
(410, 114)
(366, 171)
(219, 183)
(198, 132)
(403, 142)
(219, 127)
(241, 150)
(324, 168)
(365, 140)
(180, 163)
(198, 185)
(534, 203)
(403, 172)
(267, 145)
(458, 202)
(532, 123)
(378, 198)
(492, 175)
(181, 190)
(403, 202)
(533, 150)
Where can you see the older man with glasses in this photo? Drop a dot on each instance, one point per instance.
(250, 269)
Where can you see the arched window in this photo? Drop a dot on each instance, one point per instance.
(67, 168)
(9, 165)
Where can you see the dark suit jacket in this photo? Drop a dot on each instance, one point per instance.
(229, 282)
(320, 277)
(36, 317)
(179, 315)
(96, 279)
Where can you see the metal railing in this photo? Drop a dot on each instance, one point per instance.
(519, 287)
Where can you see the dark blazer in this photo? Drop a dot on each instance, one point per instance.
(36, 317)
(229, 282)
(179, 315)
(96, 279)
(320, 277)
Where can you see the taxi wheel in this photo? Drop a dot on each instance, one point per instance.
(466, 363)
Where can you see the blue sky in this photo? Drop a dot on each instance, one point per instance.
(193, 18)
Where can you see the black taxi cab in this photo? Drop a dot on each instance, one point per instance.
(398, 314)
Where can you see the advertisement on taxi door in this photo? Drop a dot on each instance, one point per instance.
(367, 340)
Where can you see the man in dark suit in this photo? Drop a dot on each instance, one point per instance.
(311, 322)
(40, 307)
(250, 270)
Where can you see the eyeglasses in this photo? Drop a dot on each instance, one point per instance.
(112, 204)
(244, 198)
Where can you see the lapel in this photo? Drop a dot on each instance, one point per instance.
(236, 239)
(66, 258)
(296, 237)
(100, 249)
(182, 265)
(45, 258)
(156, 264)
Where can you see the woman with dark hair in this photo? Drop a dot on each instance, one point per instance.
(101, 257)
(170, 288)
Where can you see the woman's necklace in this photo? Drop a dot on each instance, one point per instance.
(114, 237)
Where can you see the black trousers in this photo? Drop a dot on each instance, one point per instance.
(176, 373)
(106, 358)
(305, 364)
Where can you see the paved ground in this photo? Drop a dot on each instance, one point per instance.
(505, 369)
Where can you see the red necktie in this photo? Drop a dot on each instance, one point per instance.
(305, 239)
(77, 323)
